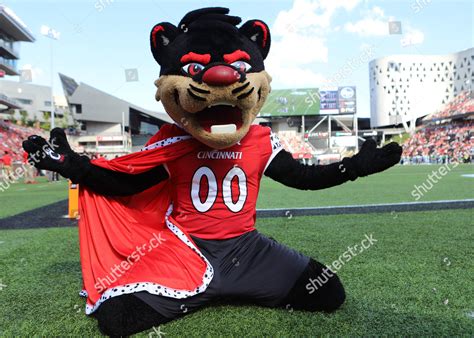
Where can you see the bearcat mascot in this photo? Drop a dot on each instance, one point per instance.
(193, 189)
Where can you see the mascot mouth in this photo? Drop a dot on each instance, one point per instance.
(220, 118)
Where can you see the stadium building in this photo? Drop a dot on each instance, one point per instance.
(404, 88)
(35, 100)
(108, 125)
(12, 32)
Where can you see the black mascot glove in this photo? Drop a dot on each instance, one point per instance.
(56, 155)
(370, 159)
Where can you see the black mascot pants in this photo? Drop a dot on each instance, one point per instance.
(250, 268)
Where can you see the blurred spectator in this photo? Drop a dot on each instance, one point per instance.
(295, 144)
(29, 170)
(52, 176)
(12, 136)
(7, 166)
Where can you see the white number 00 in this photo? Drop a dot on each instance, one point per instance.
(212, 191)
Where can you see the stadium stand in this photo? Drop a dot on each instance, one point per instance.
(12, 136)
(462, 104)
(295, 144)
(440, 144)
(445, 136)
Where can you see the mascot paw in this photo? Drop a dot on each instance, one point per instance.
(55, 155)
(371, 160)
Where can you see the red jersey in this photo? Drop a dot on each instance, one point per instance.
(7, 160)
(215, 191)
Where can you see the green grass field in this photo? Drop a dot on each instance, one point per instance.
(394, 185)
(298, 102)
(21, 197)
(415, 280)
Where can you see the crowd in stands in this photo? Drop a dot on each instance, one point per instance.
(451, 142)
(460, 105)
(295, 144)
(11, 151)
(12, 136)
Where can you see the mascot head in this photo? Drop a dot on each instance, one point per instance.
(212, 81)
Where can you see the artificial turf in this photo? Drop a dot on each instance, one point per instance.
(415, 280)
(19, 197)
(391, 186)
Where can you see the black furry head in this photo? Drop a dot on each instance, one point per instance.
(208, 36)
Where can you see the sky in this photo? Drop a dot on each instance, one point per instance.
(314, 43)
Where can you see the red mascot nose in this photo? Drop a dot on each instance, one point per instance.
(221, 76)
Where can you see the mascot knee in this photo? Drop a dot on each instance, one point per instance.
(110, 317)
(125, 315)
(317, 289)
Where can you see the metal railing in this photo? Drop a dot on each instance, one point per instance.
(11, 47)
(11, 64)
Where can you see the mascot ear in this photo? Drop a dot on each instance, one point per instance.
(259, 33)
(161, 36)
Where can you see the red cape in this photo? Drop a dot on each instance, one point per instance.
(129, 244)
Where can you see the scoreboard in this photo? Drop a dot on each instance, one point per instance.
(338, 100)
(310, 101)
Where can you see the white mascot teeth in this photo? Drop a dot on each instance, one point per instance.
(223, 128)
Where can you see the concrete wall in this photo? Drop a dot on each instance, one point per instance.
(39, 95)
(101, 128)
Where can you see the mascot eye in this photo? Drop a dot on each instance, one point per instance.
(241, 66)
(192, 69)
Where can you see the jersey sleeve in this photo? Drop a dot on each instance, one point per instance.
(272, 146)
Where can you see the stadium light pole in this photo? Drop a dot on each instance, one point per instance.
(53, 35)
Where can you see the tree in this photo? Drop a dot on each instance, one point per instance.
(64, 121)
(47, 118)
(23, 117)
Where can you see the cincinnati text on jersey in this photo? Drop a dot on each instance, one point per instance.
(219, 155)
